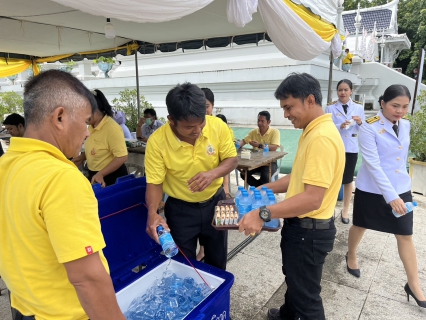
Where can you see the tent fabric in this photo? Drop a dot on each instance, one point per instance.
(290, 34)
(10, 67)
(138, 11)
(240, 12)
(326, 9)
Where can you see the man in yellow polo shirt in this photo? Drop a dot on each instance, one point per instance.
(50, 236)
(312, 188)
(187, 158)
(257, 139)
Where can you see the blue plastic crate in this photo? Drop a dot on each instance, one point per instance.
(135, 260)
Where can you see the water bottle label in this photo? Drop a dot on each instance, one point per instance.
(165, 238)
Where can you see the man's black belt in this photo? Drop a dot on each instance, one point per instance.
(218, 192)
(309, 223)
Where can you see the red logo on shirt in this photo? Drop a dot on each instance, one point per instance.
(89, 250)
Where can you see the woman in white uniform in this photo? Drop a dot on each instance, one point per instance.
(348, 117)
(383, 184)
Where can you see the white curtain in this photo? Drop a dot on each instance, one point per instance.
(326, 9)
(290, 34)
(240, 11)
(136, 10)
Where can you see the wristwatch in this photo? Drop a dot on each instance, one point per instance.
(260, 146)
(264, 214)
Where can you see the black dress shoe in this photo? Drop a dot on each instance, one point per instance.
(274, 314)
(344, 220)
(354, 272)
(410, 293)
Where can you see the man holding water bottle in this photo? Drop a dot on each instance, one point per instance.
(311, 192)
(263, 136)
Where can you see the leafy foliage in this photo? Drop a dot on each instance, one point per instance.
(10, 102)
(418, 129)
(128, 104)
(103, 59)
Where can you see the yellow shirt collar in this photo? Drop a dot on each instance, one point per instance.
(30, 145)
(316, 122)
(174, 141)
(101, 124)
(266, 133)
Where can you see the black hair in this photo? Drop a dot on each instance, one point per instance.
(348, 82)
(150, 111)
(299, 86)
(209, 94)
(221, 116)
(186, 101)
(103, 104)
(265, 114)
(14, 119)
(347, 49)
(52, 89)
(393, 91)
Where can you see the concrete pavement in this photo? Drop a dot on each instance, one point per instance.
(378, 294)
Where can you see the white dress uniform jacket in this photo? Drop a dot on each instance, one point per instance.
(384, 157)
(350, 136)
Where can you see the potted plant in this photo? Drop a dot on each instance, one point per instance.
(418, 146)
(104, 64)
(69, 65)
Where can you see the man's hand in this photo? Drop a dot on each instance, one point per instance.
(344, 124)
(98, 178)
(155, 220)
(254, 143)
(251, 223)
(398, 206)
(357, 119)
(141, 122)
(200, 181)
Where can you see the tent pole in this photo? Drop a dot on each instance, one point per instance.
(137, 84)
(419, 78)
(330, 77)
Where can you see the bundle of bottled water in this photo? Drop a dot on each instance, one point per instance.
(170, 298)
(251, 199)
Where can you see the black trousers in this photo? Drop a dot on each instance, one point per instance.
(303, 254)
(110, 179)
(189, 222)
(264, 175)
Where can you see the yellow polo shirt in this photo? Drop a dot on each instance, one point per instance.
(105, 143)
(348, 58)
(48, 216)
(319, 161)
(172, 162)
(272, 136)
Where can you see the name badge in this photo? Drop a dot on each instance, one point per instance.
(354, 135)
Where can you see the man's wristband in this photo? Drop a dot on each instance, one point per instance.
(260, 146)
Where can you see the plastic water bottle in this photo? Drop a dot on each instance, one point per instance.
(257, 203)
(237, 144)
(263, 191)
(251, 191)
(274, 223)
(410, 207)
(245, 204)
(167, 243)
(265, 150)
(238, 195)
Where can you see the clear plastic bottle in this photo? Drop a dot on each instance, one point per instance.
(274, 223)
(238, 195)
(237, 144)
(265, 150)
(409, 208)
(263, 191)
(245, 204)
(167, 243)
(257, 203)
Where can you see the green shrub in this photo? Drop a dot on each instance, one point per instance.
(418, 129)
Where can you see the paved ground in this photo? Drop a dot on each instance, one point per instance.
(378, 294)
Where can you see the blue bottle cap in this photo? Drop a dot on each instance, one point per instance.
(264, 188)
(160, 228)
(414, 204)
(258, 197)
(240, 188)
(252, 188)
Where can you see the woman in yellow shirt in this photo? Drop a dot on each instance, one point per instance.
(105, 148)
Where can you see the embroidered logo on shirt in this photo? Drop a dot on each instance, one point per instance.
(89, 250)
(93, 152)
(382, 131)
(210, 150)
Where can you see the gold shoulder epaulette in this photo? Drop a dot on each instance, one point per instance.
(332, 102)
(372, 119)
(357, 102)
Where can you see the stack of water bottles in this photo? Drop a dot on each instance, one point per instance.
(251, 199)
(169, 298)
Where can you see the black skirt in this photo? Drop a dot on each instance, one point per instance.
(372, 212)
(110, 179)
(350, 164)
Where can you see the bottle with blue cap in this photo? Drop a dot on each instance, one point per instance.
(244, 206)
(265, 150)
(238, 194)
(274, 223)
(409, 208)
(167, 243)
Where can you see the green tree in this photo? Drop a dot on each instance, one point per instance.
(128, 104)
(10, 102)
(418, 129)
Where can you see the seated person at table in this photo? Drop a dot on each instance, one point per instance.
(15, 125)
(147, 125)
(120, 118)
(257, 138)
